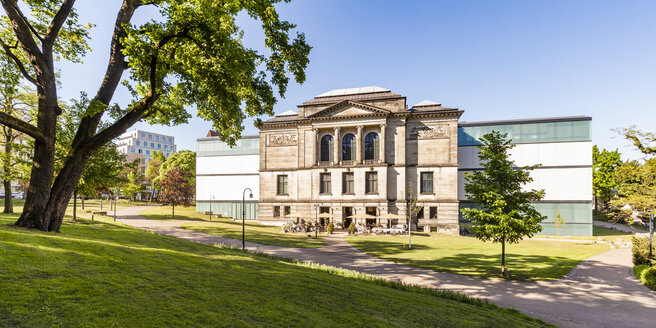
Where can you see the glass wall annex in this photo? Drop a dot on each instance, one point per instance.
(577, 130)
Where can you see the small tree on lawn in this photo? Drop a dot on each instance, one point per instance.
(176, 189)
(559, 222)
(504, 213)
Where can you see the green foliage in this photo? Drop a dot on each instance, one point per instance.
(199, 49)
(152, 170)
(504, 213)
(646, 275)
(331, 227)
(636, 187)
(640, 250)
(352, 228)
(604, 163)
(134, 184)
(185, 160)
(559, 222)
(643, 141)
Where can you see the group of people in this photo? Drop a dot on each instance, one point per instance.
(303, 226)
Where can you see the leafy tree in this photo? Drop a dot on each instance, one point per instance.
(176, 189)
(185, 160)
(559, 222)
(504, 213)
(645, 142)
(152, 170)
(192, 55)
(636, 187)
(18, 101)
(134, 184)
(603, 165)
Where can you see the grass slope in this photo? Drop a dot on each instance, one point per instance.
(528, 260)
(97, 275)
(266, 235)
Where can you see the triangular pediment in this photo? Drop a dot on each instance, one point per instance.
(349, 108)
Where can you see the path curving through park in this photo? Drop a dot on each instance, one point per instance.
(600, 292)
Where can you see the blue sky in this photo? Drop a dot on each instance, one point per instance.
(494, 59)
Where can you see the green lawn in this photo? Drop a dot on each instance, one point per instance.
(266, 235)
(95, 274)
(528, 260)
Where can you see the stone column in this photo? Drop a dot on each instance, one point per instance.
(337, 145)
(317, 147)
(383, 142)
(358, 145)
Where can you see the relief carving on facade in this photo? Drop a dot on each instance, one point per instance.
(429, 132)
(282, 140)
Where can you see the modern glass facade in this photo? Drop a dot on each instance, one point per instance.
(563, 131)
(248, 145)
(229, 209)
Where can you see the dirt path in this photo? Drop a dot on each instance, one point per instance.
(600, 292)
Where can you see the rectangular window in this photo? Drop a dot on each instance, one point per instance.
(288, 210)
(276, 211)
(140, 151)
(150, 137)
(132, 150)
(166, 147)
(324, 185)
(152, 145)
(420, 213)
(157, 138)
(433, 212)
(371, 183)
(426, 182)
(282, 185)
(138, 143)
(148, 152)
(143, 135)
(159, 146)
(170, 141)
(347, 182)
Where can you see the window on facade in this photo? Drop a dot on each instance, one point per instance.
(288, 210)
(347, 182)
(427, 182)
(371, 183)
(147, 152)
(327, 147)
(348, 147)
(159, 146)
(433, 212)
(143, 135)
(150, 137)
(170, 140)
(166, 147)
(156, 138)
(152, 145)
(140, 151)
(282, 185)
(276, 211)
(138, 143)
(420, 213)
(324, 184)
(132, 150)
(371, 146)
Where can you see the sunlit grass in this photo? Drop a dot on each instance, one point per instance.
(96, 274)
(257, 233)
(528, 260)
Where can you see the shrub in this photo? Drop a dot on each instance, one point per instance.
(646, 275)
(640, 250)
(330, 228)
(352, 228)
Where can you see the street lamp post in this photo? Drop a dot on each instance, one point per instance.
(651, 234)
(243, 216)
(115, 199)
(211, 197)
(316, 220)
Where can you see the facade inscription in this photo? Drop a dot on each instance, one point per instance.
(282, 140)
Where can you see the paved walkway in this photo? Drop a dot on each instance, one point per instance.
(621, 227)
(600, 292)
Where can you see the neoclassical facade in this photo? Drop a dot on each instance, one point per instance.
(361, 151)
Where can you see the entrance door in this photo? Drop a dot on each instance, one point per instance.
(371, 211)
(346, 212)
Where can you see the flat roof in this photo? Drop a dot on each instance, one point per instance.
(528, 121)
(245, 136)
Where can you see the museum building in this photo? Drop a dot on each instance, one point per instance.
(363, 151)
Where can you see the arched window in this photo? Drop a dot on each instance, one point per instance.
(327, 148)
(348, 147)
(371, 146)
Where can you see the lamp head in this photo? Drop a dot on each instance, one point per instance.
(250, 196)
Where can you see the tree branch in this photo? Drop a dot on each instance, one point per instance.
(23, 31)
(22, 126)
(19, 63)
(56, 24)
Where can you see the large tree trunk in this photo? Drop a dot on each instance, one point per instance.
(9, 205)
(503, 258)
(38, 191)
